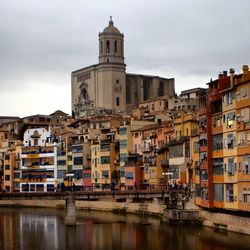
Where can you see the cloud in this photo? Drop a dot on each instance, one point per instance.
(42, 42)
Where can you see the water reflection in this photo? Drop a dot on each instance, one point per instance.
(44, 229)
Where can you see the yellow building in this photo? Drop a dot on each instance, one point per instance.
(185, 126)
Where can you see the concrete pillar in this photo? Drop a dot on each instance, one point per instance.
(70, 219)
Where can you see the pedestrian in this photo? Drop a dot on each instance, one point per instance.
(73, 187)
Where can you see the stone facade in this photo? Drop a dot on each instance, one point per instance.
(107, 85)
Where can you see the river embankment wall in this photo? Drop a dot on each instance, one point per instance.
(219, 221)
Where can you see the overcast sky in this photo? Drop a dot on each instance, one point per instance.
(43, 41)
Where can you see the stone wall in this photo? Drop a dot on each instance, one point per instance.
(226, 222)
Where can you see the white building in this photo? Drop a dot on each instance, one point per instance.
(38, 161)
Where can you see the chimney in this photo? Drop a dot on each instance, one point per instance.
(224, 73)
(245, 69)
(231, 77)
(220, 75)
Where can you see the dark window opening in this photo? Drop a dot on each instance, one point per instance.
(117, 101)
(161, 89)
(107, 46)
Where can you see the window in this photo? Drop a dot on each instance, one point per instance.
(176, 174)
(219, 192)
(244, 92)
(176, 151)
(187, 150)
(230, 117)
(7, 177)
(204, 193)
(129, 175)
(107, 46)
(7, 167)
(128, 94)
(77, 148)
(218, 142)
(202, 142)
(229, 98)
(16, 175)
(86, 176)
(161, 89)
(246, 198)
(246, 161)
(78, 160)
(115, 46)
(146, 89)
(124, 157)
(218, 166)
(231, 166)
(217, 120)
(230, 141)
(197, 190)
(105, 147)
(242, 138)
(229, 193)
(61, 162)
(197, 168)
(196, 147)
(60, 174)
(117, 101)
(105, 174)
(123, 131)
(204, 175)
(202, 122)
(7, 157)
(216, 106)
(203, 157)
(123, 144)
(105, 159)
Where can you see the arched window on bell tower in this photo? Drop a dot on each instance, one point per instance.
(115, 46)
(107, 46)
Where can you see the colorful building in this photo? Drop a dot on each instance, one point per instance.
(38, 161)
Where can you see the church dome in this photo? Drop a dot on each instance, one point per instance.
(111, 29)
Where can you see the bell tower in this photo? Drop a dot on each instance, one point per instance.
(111, 45)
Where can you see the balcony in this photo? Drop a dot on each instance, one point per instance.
(147, 149)
(152, 161)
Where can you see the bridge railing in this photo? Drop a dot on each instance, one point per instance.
(93, 188)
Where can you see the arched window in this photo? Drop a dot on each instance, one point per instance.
(115, 46)
(161, 89)
(107, 46)
(128, 93)
(117, 101)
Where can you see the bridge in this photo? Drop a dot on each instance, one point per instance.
(88, 195)
(172, 199)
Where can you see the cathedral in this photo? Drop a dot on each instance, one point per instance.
(106, 85)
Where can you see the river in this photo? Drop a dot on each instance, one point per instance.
(34, 229)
